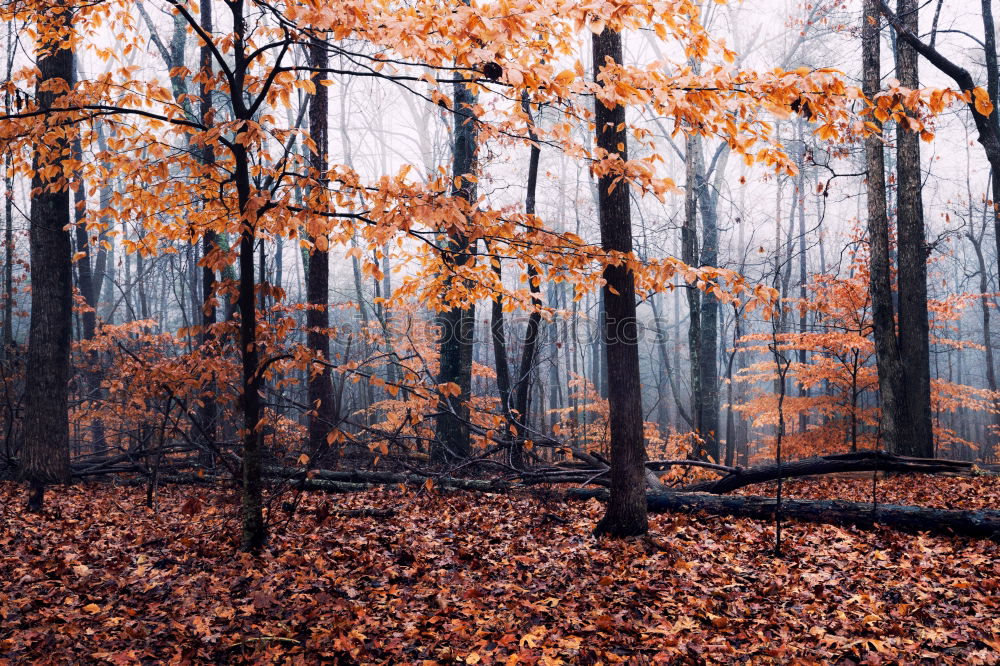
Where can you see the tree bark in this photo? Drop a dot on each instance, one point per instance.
(209, 241)
(626, 510)
(985, 523)
(514, 391)
(46, 422)
(708, 345)
(895, 424)
(914, 329)
(457, 323)
(320, 384)
(861, 461)
(690, 256)
(987, 126)
(254, 530)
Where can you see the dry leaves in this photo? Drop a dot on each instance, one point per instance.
(468, 578)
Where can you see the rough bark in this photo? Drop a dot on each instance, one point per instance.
(708, 344)
(690, 256)
(914, 329)
(254, 530)
(209, 241)
(987, 126)
(626, 510)
(457, 324)
(895, 424)
(46, 413)
(321, 419)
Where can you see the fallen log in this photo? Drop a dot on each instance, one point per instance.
(982, 523)
(370, 479)
(861, 461)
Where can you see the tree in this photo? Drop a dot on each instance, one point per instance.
(626, 510)
(514, 390)
(458, 322)
(896, 424)
(46, 424)
(914, 344)
(321, 419)
(980, 102)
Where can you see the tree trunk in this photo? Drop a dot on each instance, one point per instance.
(984, 523)
(322, 417)
(514, 391)
(8, 266)
(989, 442)
(209, 242)
(522, 382)
(895, 424)
(90, 293)
(690, 256)
(254, 532)
(987, 126)
(914, 344)
(708, 345)
(457, 335)
(626, 511)
(46, 420)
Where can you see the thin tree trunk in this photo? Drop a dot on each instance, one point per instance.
(209, 242)
(690, 256)
(708, 345)
(8, 267)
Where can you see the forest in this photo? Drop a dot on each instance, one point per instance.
(499, 332)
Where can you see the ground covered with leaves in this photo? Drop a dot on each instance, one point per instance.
(469, 578)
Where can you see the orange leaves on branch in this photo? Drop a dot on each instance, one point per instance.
(982, 102)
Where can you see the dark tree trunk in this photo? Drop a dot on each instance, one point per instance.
(254, 529)
(322, 418)
(895, 424)
(991, 375)
(46, 415)
(85, 276)
(522, 382)
(914, 345)
(987, 126)
(862, 514)
(514, 393)
(8, 266)
(91, 294)
(708, 345)
(626, 510)
(209, 241)
(457, 335)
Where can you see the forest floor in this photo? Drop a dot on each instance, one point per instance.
(489, 579)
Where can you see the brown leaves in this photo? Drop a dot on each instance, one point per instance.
(482, 579)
